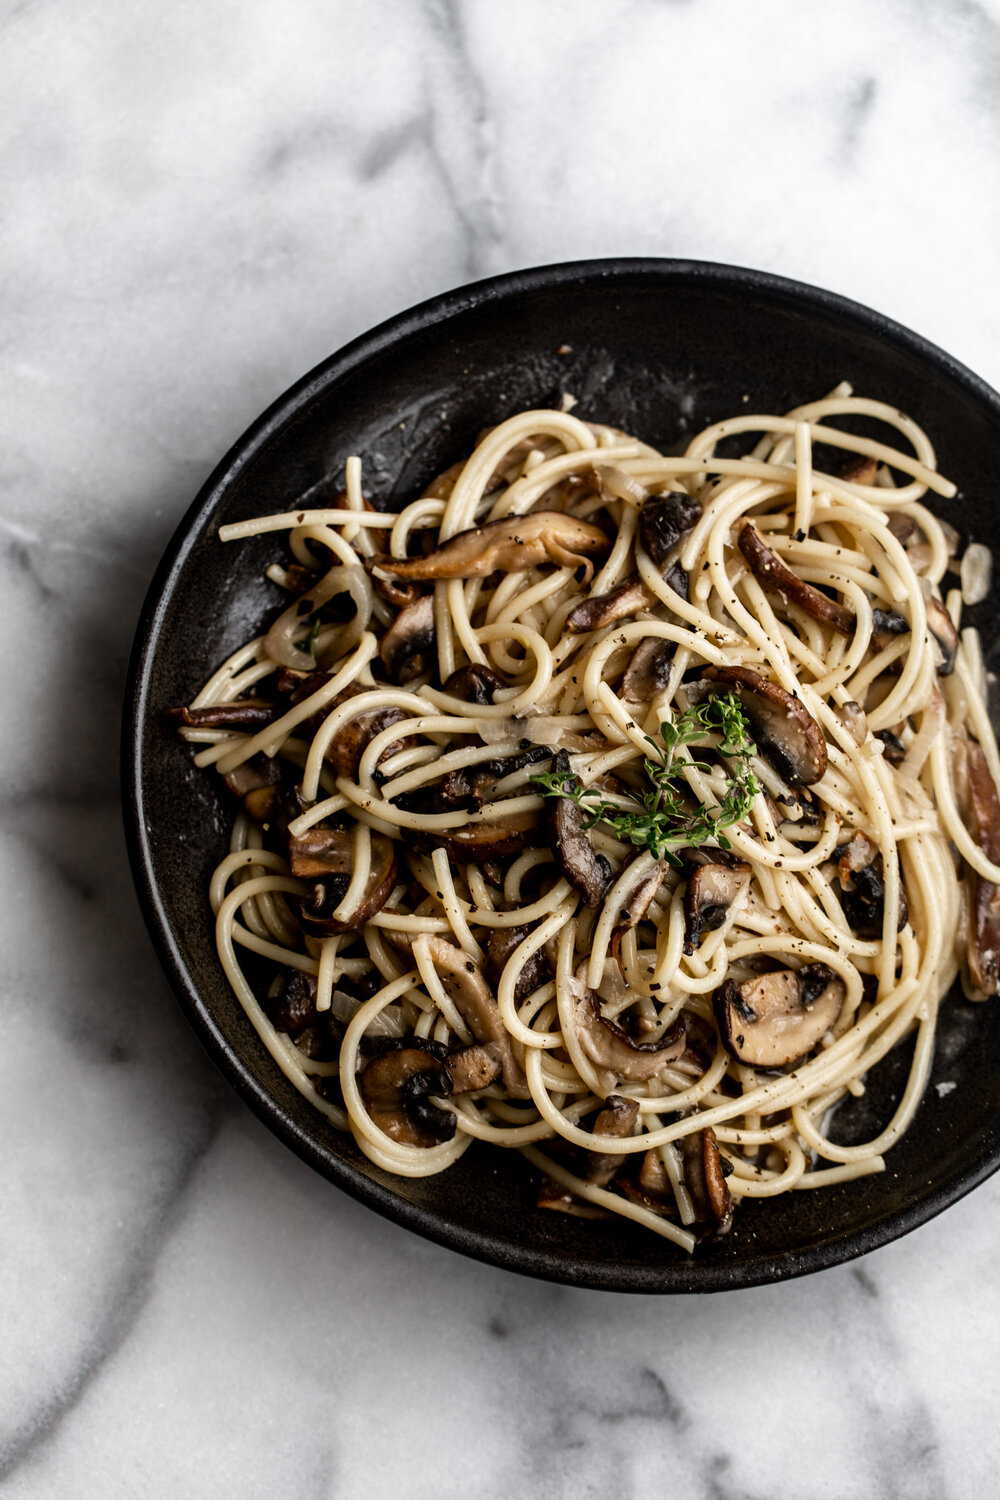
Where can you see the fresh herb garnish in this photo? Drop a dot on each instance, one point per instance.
(661, 819)
(309, 644)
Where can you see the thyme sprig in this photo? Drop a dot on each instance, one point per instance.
(661, 818)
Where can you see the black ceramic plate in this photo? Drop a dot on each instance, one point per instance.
(660, 348)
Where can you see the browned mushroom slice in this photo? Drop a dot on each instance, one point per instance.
(474, 1067)
(482, 841)
(786, 731)
(293, 1008)
(465, 984)
(474, 683)
(500, 945)
(617, 1118)
(775, 1019)
(981, 970)
(635, 899)
(510, 545)
(409, 645)
(588, 872)
(653, 1174)
(245, 713)
(326, 857)
(395, 1088)
(887, 624)
(895, 751)
(712, 891)
(854, 720)
(705, 1179)
(939, 623)
(768, 569)
(397, 593)
(256, 783)
(345, 750)
(607, 609)
(858, 469)
(663, 520)
(862, 889)
(610, 1047)
(648, 670)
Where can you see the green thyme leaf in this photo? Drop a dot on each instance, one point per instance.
(661, 817)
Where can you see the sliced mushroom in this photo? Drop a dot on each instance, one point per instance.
(510, 545)
(648, 670)
(408, 648)
(775, 1019)
(345, 750)
(475, 785)
(886, 625)
(474, 1067)
(474, 683)
(326, 857)
(245, 713)
(705, 1179)
(786, 731)
(256, 783)
(857, 469)
(395, 1087)
(588, 872)
(712, 891)
(607, 609)
(981, 969)
(862, 889)
(293, 1008)
(483, 841)
(617, 1118)
(610, 1047)
(635, 899)
(500, 945)
(894, 752)
(854, 720)
(465, 984)
(768, 569)
(663, 520)
(939, 623)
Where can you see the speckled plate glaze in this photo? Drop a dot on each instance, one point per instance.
(661, 348)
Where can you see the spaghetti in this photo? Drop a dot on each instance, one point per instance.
(617, 808)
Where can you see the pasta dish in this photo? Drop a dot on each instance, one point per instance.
(620, 808)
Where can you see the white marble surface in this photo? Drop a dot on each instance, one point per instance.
(200, 200)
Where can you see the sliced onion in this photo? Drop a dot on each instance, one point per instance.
(345, 578)
(622, 485)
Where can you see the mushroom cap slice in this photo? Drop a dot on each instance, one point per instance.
(588, 872)
(481, 841)
(474, 1067)
(500, 945)
(395, 1086)
(617, 1118)
(648, 670)
(408, 647)
(705, 1179)
(465, 984)
(981, 969)
(663, 520)
(326, 856)
(941, 627)
(244, 713)
(712, 891)
(785, 729)
(607, 609)
(768, 568)
(610, 1047)
(509, 545)
(776, 1018)
(474, 683)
